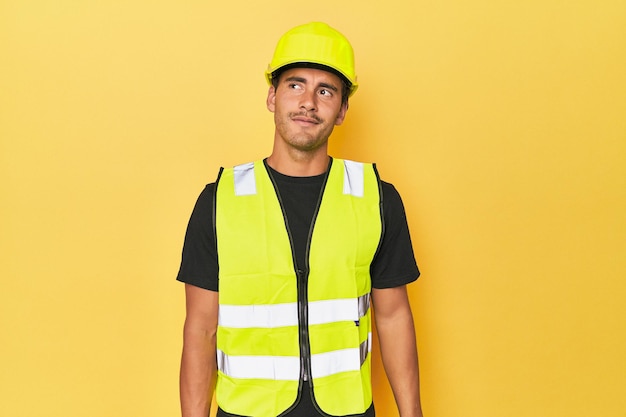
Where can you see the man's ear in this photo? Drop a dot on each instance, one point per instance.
(342, 114)
(271, 99)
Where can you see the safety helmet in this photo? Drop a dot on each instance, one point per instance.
(318, 45)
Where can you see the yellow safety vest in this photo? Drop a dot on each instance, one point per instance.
(273, 331)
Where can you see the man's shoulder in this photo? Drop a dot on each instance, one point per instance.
(389, 190)
(205, 199)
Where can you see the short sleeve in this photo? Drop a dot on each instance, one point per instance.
(394, 264)
(199, 266)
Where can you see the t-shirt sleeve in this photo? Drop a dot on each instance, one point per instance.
(199, 265)
(394, 264)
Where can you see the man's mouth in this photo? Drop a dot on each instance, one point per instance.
(303, 118)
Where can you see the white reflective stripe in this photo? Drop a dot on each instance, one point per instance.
(364, 304)
(330, 363)
(279, 368)
(328, 311)
(287, 368)
(366, 348)
(264, 316)
(286, 314)
(245, 183)
(346, 309)
(353, 178)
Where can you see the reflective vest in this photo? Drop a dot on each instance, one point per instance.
(279, 325)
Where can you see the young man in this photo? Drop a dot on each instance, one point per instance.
(299, 244)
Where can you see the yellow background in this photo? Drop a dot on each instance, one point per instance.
(502, 124)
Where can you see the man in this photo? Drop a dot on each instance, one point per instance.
(304, 241)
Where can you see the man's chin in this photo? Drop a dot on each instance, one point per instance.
(307, 144)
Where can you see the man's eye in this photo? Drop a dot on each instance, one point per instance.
(326, 92)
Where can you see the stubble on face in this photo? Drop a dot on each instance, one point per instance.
(307, 139)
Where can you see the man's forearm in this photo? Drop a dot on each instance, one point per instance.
(399, 354)
(396, 334)
(197, 373)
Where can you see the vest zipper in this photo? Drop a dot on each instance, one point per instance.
(302, 277)
(303, 322)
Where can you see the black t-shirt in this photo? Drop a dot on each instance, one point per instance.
(393, 266)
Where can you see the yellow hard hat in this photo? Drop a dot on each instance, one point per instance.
(318, 44)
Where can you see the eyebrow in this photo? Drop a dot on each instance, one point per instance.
(303, 80)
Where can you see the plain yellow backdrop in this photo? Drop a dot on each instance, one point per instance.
(501, 123)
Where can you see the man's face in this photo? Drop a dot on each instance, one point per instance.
(307, 105)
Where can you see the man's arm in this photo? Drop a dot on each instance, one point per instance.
(198, 367)
(396, 334)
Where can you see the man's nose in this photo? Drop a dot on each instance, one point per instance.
(307, 100)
